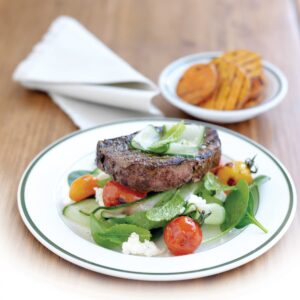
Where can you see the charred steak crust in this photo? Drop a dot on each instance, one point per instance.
(149, 172)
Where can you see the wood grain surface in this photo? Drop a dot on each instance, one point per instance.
(148, 34)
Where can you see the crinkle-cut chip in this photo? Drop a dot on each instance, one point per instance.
(248, 60)
(252, 102)
(233, 90)
(209, 103)
(257, 85)
(197, 83)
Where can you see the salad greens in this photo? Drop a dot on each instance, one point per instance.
(249, 217)
(140, 219)
(167, 211)
(111, 226)
(236, 206)
(259, 180)
(111, 235)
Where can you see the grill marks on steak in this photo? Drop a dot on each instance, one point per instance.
(149, 172)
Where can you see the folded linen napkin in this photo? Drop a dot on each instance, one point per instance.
(71, 63)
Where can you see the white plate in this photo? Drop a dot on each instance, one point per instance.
(275, 91)
(43, 192)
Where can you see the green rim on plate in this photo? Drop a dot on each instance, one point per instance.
(38, 232)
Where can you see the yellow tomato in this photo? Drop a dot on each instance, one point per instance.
(83, 187)
(234, 171)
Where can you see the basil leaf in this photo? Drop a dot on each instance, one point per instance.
(236, 205)
(168, 211)
(169, 136)
(76, 174)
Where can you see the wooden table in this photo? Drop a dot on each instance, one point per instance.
(148, 34)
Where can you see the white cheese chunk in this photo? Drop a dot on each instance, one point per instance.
(136, 247)
(98, 196)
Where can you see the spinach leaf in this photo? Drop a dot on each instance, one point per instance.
(255, 194)
(139, 219)
(212, 183)
(259, 180)
(168, 211)
(97, 228)
(110, 235)
(75, 174)
(249, 217)
(236, 205)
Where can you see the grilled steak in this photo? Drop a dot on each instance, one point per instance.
(149, 172)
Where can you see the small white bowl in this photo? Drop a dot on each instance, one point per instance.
(275, 90)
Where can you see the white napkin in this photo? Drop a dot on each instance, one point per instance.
(71, 63)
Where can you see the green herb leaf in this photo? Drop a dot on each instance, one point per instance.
(168, 211)
(236, 205)
(121, 232)
(259, 180)
(97, 228)
(140, 219)
(110, 235)
(249, 217)
(212, 183)
(169, 136)
(76, 174)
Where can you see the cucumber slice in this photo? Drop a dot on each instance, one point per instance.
(183, 148)
(193, 134)
(183, 140)
(79, 212)
(145, 138)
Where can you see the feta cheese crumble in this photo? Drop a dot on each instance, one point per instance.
(98, 196)
(217, 212)
(136, 247)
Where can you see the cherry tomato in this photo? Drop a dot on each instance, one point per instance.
(234, 171)
(182, 235)
(83, 187)
(115, 193)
